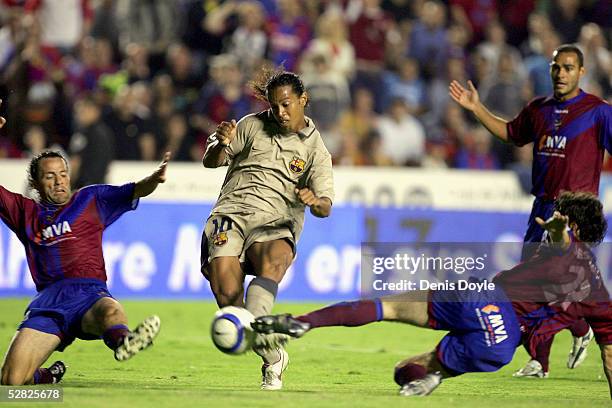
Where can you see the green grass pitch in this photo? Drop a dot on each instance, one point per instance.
(335, 367)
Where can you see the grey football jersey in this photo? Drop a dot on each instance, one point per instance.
(266, 166)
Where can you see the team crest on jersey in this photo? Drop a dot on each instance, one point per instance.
(220, 239)
(297, 165)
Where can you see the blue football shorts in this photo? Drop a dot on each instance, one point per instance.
(59, 308)
(483, 329)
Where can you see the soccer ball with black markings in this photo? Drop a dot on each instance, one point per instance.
(231, 330)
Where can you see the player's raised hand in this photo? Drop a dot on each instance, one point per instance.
(148, 184)
(306, 196)
(467, 98)
(557, 227)
(225, 133)
(160, 173)
(555, 224)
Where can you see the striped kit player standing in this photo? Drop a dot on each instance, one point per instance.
(570, 131)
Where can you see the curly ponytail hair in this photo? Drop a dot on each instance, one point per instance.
(271, 78)
(587, 212)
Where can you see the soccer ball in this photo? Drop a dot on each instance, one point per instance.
(231, 330)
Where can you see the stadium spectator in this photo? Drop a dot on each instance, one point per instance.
(224, 96)
(35, 141)
(357, 122)
(437, 95)
(11, 36)
(401, 10)
(134, 138)
(166, 100)
(566, 19)
(105, 24)
(64, 251)
(136, 63)
(486, 326)
(289, 33)
(331, 39)
(475, 152)
(597, 58)
(372, 151)
(563, 135)
(63, 23)
(196, 33)
(537, 64)
(382, 32)
(92, 147)
(328, 93)
(429, 40)
(278, 165)
(436, 157)
(370, 30)
(478, 13)
(402, 135)
(150, 23)
(505, 94)
(184, 72)
(179, 138)
(515, 17)
(495, 47)
(522, 167)
(249, 41)
(95, 59)
(406, 83)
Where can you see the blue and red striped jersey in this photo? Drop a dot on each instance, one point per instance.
(65, 241)
(569, 138)
(553, 289)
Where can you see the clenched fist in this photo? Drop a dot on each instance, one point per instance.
(225, 133)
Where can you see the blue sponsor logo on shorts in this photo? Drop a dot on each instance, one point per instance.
(492, 323)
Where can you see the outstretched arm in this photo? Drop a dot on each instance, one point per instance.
(319, 207)
(470, 100)
(148, 184)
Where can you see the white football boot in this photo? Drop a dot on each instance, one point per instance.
(579, 349)
(138, 339)
(272, 373)
(532, 369)
(421, 387)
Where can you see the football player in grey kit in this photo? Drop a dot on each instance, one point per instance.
(278, 166)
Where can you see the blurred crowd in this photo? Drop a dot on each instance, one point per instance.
(128, 79)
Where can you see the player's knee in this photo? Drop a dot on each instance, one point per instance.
(276, 268)
(227, 295)
(113, 310)
(11, 376)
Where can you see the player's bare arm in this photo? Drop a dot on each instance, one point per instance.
(557, 227)
(606, 357)
(470, 100)
(319, 207)
(148, 184)
(215, 152)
